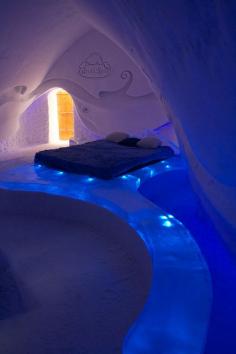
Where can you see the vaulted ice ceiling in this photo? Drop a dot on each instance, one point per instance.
(185, 48)
(33, 35)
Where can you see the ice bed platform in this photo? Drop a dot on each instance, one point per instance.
(102, 159)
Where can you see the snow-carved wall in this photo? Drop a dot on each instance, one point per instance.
(187, 49)
(33, 127)
(110, 92)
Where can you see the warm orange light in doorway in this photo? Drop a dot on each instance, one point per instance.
(61, 116)
(65, 115)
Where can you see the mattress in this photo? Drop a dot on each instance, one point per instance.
(101, 158)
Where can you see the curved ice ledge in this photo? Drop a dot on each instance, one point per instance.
(175, 317)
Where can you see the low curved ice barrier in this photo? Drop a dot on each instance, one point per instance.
(175, 317)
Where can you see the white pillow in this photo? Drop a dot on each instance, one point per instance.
(116, 137)
(150, 142)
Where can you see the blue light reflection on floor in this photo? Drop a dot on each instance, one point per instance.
(179, 328)
(186, 206)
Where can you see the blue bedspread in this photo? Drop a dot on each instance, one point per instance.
(101, 158)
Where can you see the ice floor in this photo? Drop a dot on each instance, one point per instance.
(69, 284)
(175, 317)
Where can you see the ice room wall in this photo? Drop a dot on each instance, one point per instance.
(187, 49)
(110, 93)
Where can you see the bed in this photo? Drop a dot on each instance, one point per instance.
(103, 159)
